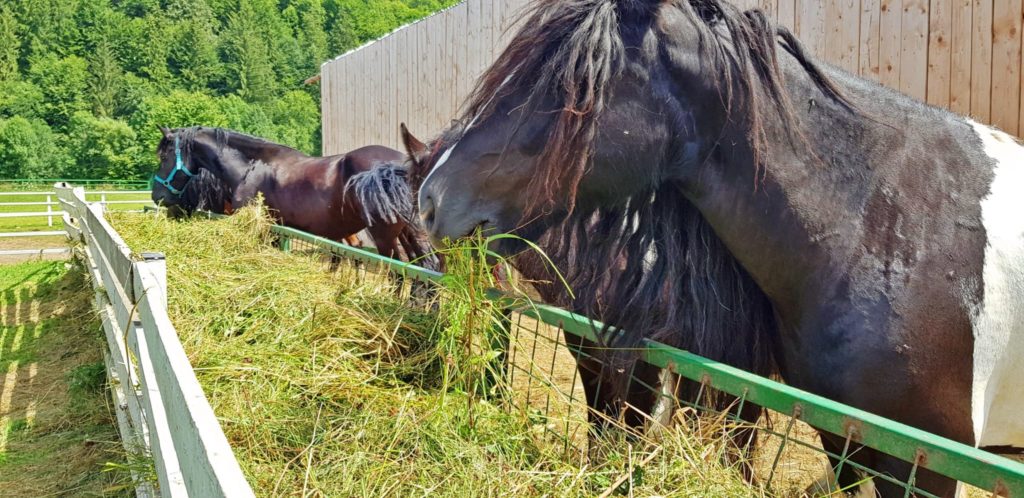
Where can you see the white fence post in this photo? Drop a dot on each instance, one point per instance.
(49, 209)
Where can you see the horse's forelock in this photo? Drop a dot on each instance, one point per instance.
(573, 49)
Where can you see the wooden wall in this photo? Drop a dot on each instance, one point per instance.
(960, 54)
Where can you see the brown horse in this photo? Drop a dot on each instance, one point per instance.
(324, 196)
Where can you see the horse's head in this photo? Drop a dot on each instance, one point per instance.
(599, 103)
(186, 180)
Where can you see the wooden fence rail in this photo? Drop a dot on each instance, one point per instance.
(161, 409)
(964, 55)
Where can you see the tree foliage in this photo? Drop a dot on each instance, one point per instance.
(85, 83)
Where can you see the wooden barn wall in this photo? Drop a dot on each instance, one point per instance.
(961, 54)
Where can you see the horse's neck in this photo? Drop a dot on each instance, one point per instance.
(803, 211)
(238, 158)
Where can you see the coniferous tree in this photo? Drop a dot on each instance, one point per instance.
(9, 45)
(105, 80)
(247, 54)
(83, 83)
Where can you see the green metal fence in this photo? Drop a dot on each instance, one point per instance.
(541, 370)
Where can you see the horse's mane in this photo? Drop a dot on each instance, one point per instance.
(221, 136)
(575, 48)
(204, 192)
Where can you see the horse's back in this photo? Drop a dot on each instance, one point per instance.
(365, 158)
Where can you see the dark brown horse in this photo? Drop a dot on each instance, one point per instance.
(334, 197)
(766, 207)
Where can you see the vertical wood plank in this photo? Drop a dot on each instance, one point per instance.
(842, 43)
(391, 100)
(869, 64)
(811, 26)
(1006, 58)
(981, 61)
(890, 42)
(940, 36)
(914, 49)
(960, 56)
(834, 30)
(787, 14)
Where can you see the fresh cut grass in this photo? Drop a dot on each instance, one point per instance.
(328, 384)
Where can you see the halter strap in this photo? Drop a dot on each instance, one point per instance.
(179, 165)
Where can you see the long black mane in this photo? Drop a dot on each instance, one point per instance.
(574, 49)
(204, 192)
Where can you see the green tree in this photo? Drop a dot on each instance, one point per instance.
(296, 118)
(93, 78)
(28, 149)
(10, 45)
(247, 54)
(193, 55)
(311, 34)
(104, 80)
(177, 109)
(20, 98)
(104, 148)
(245, 117)
(50, 27)
(63, 82)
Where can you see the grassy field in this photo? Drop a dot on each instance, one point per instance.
(328, 385)
(57, 431)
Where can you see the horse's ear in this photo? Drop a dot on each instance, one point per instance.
(413, 145)
(165, 131)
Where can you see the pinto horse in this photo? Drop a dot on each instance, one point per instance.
(334, 197)
(885, 236)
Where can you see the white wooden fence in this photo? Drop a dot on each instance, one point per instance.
(161, 408)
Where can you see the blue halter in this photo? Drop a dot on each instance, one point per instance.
(179, 165)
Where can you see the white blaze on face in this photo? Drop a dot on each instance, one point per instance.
(448, 152)
(997, 400)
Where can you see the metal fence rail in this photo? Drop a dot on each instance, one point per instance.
(549, 388)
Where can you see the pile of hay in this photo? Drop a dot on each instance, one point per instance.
(328, 385)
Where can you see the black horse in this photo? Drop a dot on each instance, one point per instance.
(706, 183)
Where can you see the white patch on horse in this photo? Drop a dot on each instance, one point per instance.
(665, 404)
(448, 152)
(998, 391)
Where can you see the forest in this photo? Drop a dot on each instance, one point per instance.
(85, 83)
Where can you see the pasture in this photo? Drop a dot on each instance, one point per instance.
(16, 199)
